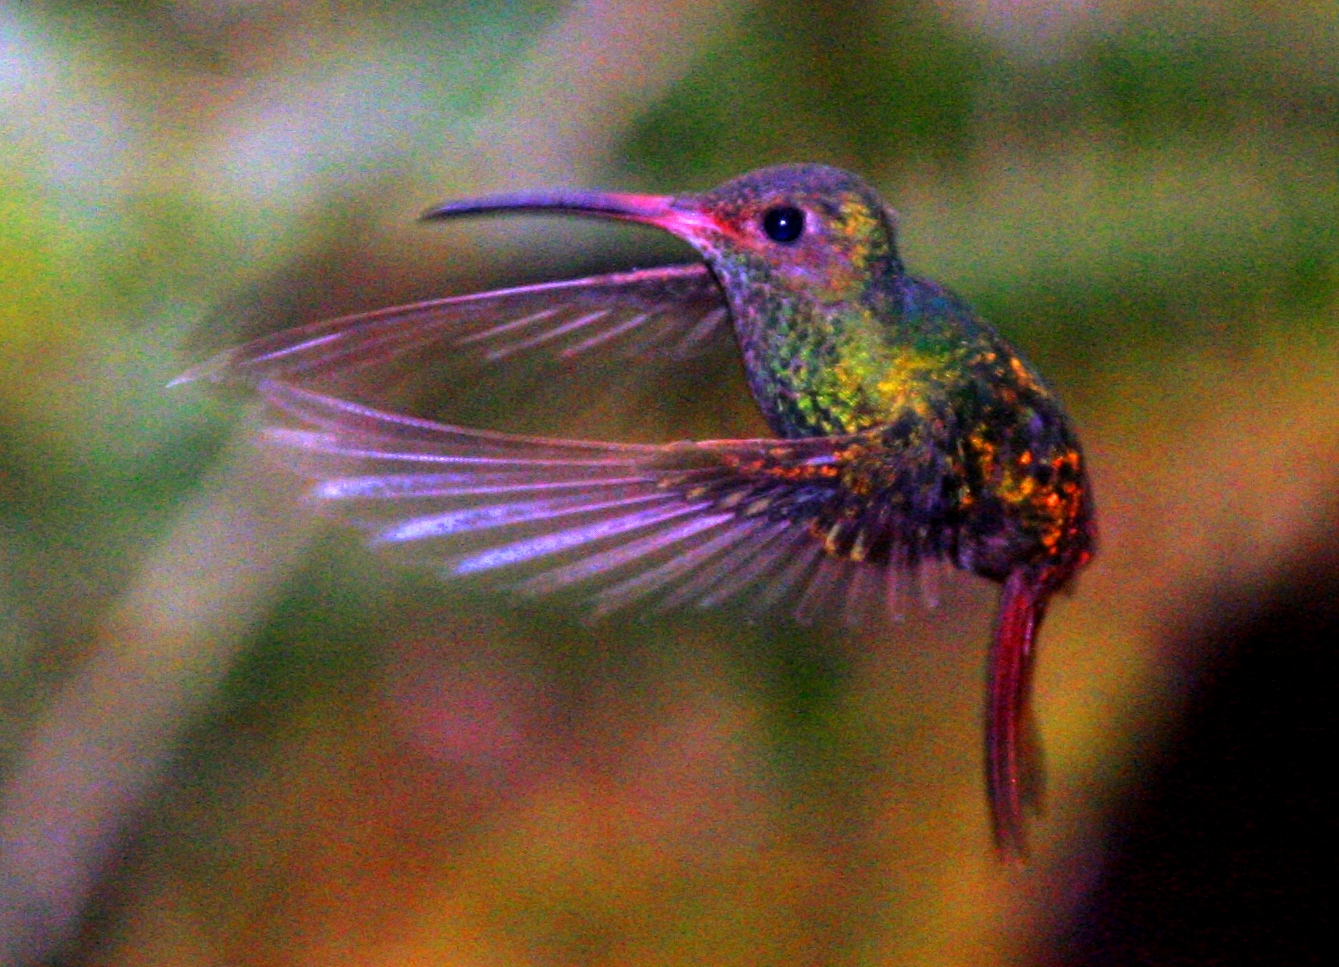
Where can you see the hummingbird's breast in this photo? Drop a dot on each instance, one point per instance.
(830, 370)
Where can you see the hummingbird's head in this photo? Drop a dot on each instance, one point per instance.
(819, 232)
(812, 229)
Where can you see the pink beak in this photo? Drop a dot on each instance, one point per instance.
(678, 216)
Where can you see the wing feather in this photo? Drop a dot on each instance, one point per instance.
(671, 312)
(681, 524)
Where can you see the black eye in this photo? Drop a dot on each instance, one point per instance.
(784, 223)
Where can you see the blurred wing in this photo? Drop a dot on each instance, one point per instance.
(673, 312)
(675, 524)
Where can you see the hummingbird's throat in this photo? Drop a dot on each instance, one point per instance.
(814, 369)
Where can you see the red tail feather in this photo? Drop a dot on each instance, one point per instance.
(1013, 767)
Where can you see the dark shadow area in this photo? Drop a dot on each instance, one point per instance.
(1221, 859)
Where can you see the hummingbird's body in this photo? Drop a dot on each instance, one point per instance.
(908, 429)
(960, 452)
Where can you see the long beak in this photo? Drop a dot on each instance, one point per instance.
(674, 215)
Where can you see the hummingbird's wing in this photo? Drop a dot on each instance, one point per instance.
(668, 525)
(669, 312)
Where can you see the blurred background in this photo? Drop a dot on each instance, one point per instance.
(231, 735)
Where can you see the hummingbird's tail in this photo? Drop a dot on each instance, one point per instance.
(1013, 754)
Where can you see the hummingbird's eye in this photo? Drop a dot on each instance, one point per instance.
(784, 224)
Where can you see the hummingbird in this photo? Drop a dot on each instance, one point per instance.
(907, 432)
